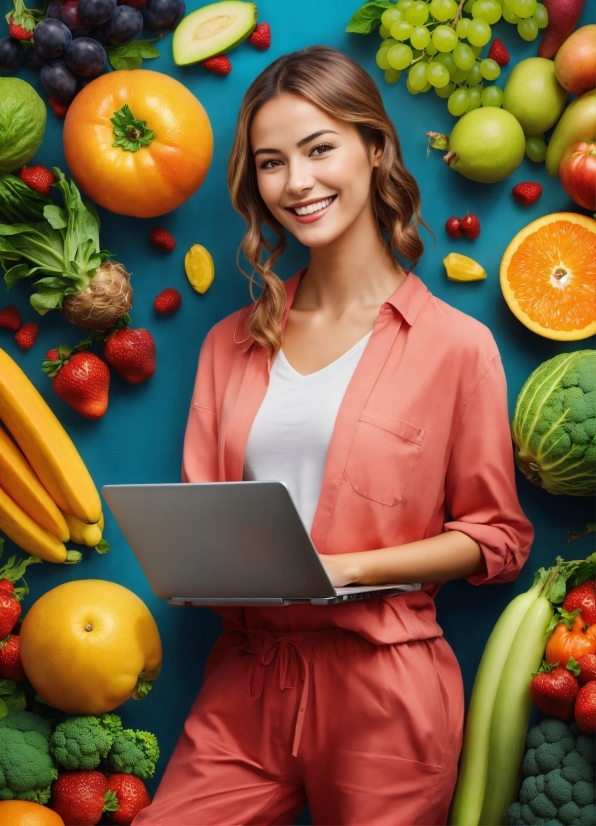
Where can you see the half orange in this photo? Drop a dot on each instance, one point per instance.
(548, 276)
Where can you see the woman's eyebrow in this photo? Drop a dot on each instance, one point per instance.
(300, 142)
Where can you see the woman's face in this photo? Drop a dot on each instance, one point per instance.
(313, 171)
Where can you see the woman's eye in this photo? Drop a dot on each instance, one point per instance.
(321, 148)
(270, 163)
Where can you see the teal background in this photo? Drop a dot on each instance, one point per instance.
(140, 437)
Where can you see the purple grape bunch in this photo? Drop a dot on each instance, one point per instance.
(69, 44)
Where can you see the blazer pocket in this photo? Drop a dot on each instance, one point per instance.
(382, 456)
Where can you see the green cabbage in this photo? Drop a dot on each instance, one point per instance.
(554, 425)
(22, 123)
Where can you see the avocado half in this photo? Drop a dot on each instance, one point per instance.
(213, 30)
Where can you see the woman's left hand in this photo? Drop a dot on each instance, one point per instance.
(340, 568)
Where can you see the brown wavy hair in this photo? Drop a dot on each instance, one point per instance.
(335, 83)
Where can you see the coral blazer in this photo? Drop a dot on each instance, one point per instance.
(421, 445)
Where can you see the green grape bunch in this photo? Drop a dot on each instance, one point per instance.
(439, 47)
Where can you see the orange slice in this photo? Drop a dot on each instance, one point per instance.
(548, 276)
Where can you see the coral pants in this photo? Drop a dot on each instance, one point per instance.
(367, 734)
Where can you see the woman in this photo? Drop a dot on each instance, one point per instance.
(384, 410)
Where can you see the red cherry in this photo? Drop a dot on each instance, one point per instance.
(453, 227)
(470, 225)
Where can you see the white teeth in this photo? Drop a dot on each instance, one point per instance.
(308, 210)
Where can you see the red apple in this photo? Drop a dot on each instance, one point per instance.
(575, 62)
(577, 172)
(563, 16)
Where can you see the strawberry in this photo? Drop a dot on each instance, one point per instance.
(132, 796)
(220, 64)
(11, 667)
(18, 32)
(7, 585)
(498, 52)
(261, 37)
(162, 239)
(59, 107)
(587, 664)
(527, 193)
(470, 225)
(168, 301)
(453, 227)
(132, 353)
(82, 380)
(10, 611)
(554, 690)
(79, 797)
(583, 597)
(38, 177)
(585, 708)
(10, 318)
(27, 335)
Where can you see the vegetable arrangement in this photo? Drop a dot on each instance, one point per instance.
(501, 700)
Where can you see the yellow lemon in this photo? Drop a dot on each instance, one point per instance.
(89, 645)
(461, 268)
(199, 267)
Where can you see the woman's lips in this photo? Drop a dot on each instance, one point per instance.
(313, 216)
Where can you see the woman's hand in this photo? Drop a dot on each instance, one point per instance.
(340, 568)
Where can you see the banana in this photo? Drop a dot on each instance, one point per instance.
(27, 534)
(22, 485)
(83, 534)
(46, 444)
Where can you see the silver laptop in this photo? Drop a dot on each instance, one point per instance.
(227, 543)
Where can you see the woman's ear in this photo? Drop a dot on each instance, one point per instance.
(376, 153)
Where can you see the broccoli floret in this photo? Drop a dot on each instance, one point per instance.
(26, 765)
(81, 742)
(583, 793)
(134, 752)
(561, 791)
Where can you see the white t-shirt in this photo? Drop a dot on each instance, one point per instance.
(290, 435)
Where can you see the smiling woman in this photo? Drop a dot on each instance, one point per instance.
(371, 400)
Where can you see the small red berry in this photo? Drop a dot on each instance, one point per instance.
(27, 335)
(18, 32)
(162, 239)
(470, 225)
(10, 318)
(527, 193)
(7, 585)
(261, 37)
(38, 177)
(11, 667)
(59, 107)
(168, 301)
(53, 354)
(498, 52)
(453, 227)
(219, 65)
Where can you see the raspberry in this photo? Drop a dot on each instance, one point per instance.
(168, 301)
(527, 193)
(498, 52)
(10, 318)
(220, 64)
(27, 335)
(162, 239)
(261, 37)
(470, 225)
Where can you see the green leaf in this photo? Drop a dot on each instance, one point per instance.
(18, 202)
(131, 55)
(558, 589)
(7, 687)
(103, 547)
(44, 302)
(16, 273)
(573, 666)
(56, 217)
(3, 708)
(368, 17)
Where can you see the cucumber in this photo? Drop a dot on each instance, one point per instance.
(511, 712)
(471, 781)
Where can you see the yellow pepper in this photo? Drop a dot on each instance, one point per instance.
(199, 267)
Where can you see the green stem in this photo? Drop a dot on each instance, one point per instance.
(131, 134)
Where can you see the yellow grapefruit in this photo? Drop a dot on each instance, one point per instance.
(26, 813)
(548, 276)
(89, 645)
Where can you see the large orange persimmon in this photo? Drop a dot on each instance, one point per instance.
(137, 142)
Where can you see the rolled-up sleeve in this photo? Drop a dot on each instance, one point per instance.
(481, 495)
(199, 456)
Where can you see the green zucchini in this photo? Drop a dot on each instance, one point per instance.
(511, 713)
(471, 781)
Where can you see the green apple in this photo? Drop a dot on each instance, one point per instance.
(534, 95)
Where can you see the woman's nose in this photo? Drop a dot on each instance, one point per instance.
(299, 178)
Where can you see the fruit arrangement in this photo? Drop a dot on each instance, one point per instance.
(71, 42)
(501, 701)
(42, 474)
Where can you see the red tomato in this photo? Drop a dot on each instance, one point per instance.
(577, 172)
